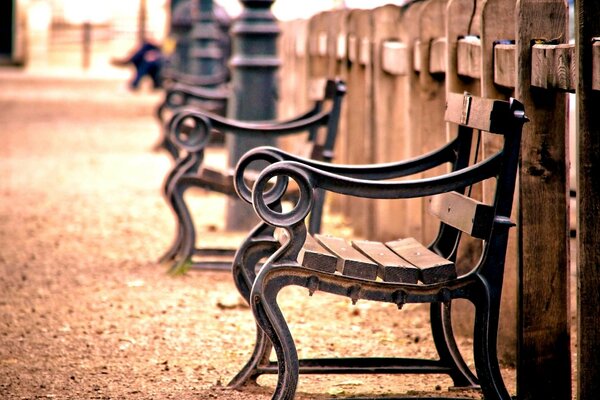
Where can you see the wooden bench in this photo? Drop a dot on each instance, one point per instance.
(190, 131)
(398, 272)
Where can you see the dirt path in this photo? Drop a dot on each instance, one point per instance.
(86, 313)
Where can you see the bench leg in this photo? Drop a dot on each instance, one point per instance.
(487, 312)
(260, 357)
(445, 343)
(273, 324)
(258, 245)
(182, 167)
(185, 227)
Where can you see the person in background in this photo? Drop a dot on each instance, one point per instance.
(147, 60)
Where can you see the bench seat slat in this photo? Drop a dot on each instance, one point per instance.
(350, 262)
(314, 256)
(392, 268)
(434, 268)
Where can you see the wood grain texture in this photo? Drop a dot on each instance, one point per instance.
(505, 69)
(390, 99)
(553, 67)
(392, 268)
(469, 57)
(544, 364)
(432, 128)
(359, 118)
(588, 198)
(350, 262)
(314, 256)
(433, 268)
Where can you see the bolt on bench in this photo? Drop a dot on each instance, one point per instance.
(191, 129)
(399, 272)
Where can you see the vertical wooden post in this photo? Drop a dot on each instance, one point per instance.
(432, 133)
(359, 121)
(587, 15)
(544, 362)
(390, 98)
(339, 68)
(409, 33)
(498, 24)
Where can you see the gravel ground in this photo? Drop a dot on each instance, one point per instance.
(85, 310)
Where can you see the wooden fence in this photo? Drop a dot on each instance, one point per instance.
(399, 63)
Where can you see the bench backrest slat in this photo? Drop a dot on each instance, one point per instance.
(461, 212)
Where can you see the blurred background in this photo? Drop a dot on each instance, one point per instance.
(76, 35)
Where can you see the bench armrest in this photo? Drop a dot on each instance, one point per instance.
(309, 179)
(194, 139)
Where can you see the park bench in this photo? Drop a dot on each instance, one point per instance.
(398, 272)
(191, 129)
(209, 93)
(182, 87)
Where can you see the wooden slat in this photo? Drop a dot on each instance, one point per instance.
(433, 267)
(437, 56)
(217, 180)
(350, 262)
(504, 65)
(392, 268)
(553, 66)
(395, 57)
(588, 199)
(469, 57)
(544, 323)
(314, 256)
(432, 89)
(469, 215)
(478, 113)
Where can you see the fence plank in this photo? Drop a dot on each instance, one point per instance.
(338, 67)
(359, 121)
(588, 198)
(495, 29)
(544, 364)
(390, 98)
(432, 133)
(409, 32)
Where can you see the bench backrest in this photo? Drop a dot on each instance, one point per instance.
(459, 211)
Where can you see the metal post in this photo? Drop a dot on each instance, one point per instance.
(180, 26)
(254, 65)
(205, 54)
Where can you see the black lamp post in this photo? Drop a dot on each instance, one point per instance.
(254, 65)
(205, 55)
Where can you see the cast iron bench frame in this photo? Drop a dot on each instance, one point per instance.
(189, 170)
(323, 269)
